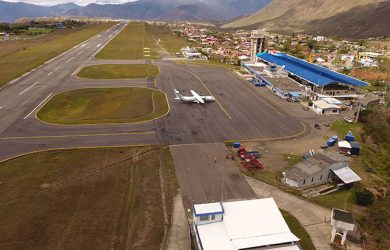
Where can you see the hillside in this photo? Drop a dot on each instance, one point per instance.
(10, 12)
(216, 10)
(315, 15)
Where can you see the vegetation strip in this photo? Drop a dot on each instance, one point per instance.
(104, 105)
(118, 71)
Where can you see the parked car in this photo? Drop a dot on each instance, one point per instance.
(324, 146)
(317, 126)
(348, 120)
(327, 124)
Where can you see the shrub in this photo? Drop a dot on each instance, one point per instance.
(364, 198)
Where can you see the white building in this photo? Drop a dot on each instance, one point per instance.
(320, 169)
(342, 222)
(248, 224)
(324, 108)
(319, 38)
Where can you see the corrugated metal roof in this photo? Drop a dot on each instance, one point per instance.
(346, 175)
(208, 208)
(315, 74)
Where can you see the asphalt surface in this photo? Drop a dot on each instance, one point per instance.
(241, 112)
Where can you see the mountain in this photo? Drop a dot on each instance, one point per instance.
(9, 12)
(141, 9)
(173, 9)
(344, 17)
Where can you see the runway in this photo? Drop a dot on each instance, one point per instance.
(240, 113)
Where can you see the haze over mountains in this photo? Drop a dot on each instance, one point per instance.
(143, 9)
(351, 18)
(347, 18)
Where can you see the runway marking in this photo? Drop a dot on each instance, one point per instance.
(57, 69)
(79, 52)
(98, 45)
(21, 93)
(204, 85)
(82, 135)
(37, 106)
(50, 73)
(69, 60)
(83, 45)
(76, 71)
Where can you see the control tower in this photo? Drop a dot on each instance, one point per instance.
(257, 43)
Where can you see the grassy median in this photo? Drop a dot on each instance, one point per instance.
(105, 198)
(18, 58)
(119, 71)
(104, 105)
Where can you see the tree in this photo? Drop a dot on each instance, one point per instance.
(364, 198)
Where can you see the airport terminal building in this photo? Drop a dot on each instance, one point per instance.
(321, 82)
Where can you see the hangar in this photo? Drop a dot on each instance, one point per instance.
(323, 82)
(246, 224)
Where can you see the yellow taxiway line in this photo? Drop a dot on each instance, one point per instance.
(70, 136)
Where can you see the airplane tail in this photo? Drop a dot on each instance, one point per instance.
(177, 94)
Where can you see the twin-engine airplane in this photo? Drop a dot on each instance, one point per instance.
(194, 98)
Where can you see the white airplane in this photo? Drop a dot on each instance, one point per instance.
(194, 98)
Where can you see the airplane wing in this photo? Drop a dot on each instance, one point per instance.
(198, 98)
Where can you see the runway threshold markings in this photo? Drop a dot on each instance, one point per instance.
(204, 85)
(38, 106)
(80, 135)
(50, 73)
(24, 91)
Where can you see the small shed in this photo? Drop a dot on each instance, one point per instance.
(293, 95)
(344, 147)
(342, 222)
(322, 107)
(208, 213)
(355, 148)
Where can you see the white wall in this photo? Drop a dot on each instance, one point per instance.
(217, 218)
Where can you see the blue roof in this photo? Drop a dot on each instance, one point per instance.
(315, 74)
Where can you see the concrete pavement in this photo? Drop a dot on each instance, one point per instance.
(179, 237)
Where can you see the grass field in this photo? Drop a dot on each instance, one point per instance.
(19, 57)
(130, 44)
(168, 40)
(119, 71)
(104, 105)
(106, 198)
(299, 231)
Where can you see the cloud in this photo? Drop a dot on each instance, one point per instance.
(79, 2)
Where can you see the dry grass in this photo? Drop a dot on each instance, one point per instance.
(86, 199)
(119, 71)
(130, 44)
(16, 57)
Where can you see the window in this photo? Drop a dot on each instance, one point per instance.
(213, 217)
(304, 181)
(321, 177)
(203, 218)
(312, 179)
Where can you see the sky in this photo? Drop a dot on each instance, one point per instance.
(79, 2)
